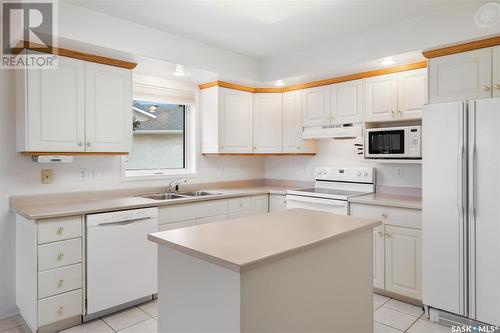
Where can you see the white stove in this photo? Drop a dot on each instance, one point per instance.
(333, 188)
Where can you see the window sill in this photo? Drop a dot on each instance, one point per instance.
(140, 176)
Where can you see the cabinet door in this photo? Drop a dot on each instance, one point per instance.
(108, 108)
(260, 204)
(55, 102)
(381, 97)
(403, 261)
(316, 106)
(292, 122)
(236, 117)
(461, 76)
(277, 202)
(347, 102)
(268, 123)
(378, 257)
(496, 71)
(412, 93)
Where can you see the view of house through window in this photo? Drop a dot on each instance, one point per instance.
(159, 142)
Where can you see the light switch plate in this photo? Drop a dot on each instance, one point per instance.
(46, 175)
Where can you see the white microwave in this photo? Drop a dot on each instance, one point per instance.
(394, 142)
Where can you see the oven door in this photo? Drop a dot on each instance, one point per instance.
(325, 205)
(386, 143)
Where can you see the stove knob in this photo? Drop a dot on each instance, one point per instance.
(359, 173)
(319, 172)
(325, 172)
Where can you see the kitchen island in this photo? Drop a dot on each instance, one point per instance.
(291, 271)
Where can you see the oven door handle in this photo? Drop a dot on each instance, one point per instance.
(316, 200)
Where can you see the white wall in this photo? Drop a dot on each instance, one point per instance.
(19, 175)
(340, 153)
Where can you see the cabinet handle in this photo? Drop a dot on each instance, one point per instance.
(486, 88)
(497, 86)
(399, 113)
(60, 283)
(387, 235)
(393, 114)
(384, 215)
(89, 143)
(60, 309)
(60, 256)
(60, 230)
(80, 144)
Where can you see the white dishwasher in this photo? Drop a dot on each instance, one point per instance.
(121, 262)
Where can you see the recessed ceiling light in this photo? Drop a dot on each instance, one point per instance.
(279, 83)
(179, 71)
(387, 61)
(488, 15)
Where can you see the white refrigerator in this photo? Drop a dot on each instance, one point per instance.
(461, 209)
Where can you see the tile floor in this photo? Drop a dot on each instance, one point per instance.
(390, 316)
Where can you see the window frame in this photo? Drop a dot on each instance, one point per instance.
(190, 149)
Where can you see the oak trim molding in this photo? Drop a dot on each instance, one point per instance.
(325, 82)
(258, 154)
(462, 47)
(72, 54)
(79, 153)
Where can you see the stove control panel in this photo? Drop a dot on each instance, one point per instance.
(348, 174)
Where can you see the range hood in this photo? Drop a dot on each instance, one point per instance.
(346, 132)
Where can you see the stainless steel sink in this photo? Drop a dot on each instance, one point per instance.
(164, 196)
(198, 193)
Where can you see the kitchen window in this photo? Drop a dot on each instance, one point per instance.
(163, 130)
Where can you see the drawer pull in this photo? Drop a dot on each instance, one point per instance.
(60, 230)
(60, 309)
(387, 235)
(60, 283)
(60, 256)
(384, 215)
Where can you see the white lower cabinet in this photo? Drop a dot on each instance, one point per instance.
(50, 271)
(403, 256)
(397, 248)
(378, 257)
(260, 204)
(277, 202)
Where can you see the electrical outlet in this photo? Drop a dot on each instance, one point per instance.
(46, 175)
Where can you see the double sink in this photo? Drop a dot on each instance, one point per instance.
(179, 195)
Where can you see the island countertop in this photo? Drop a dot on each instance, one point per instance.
(244, 242)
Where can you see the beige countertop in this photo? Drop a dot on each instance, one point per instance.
(78, 207)
(241, 243)
(387, 199)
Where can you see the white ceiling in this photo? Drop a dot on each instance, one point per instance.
(264, 29)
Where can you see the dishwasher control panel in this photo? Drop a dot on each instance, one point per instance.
(121, 216)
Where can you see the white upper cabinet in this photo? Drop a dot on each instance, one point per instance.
(347, 102)
(50, 108)
(316, 106)
(381, 97)
(78, 107)
(461, 76)
(292, 125)
(268, 122)
(108, 108)
(496, 71)
(235, 121)
(412, 93)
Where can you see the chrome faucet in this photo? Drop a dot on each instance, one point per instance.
(173, 186)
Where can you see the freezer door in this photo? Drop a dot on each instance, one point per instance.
(484, 209)
(444, 206)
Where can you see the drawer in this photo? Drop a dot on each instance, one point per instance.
(59, 254)
(60, 307)
(179, 213)
(59, 280)
(402, 217)
(53, 230)
(237, 207)
(176, 225)
(211, 219)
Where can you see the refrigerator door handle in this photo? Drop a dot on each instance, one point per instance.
(472, 209)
